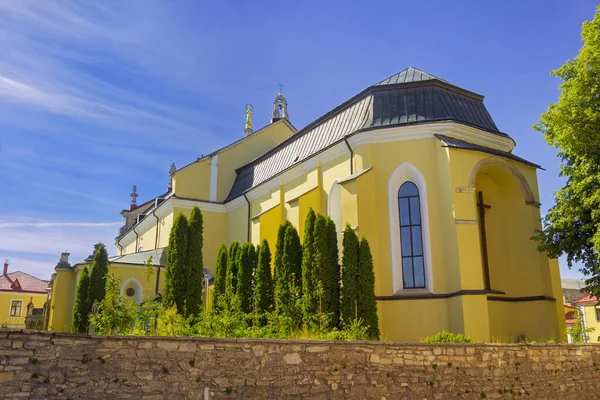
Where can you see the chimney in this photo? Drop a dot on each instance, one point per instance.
(5, 267)
(64, 257)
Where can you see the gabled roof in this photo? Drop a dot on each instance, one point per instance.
(587, 300)
(411, 96)
(408, 75)
(25, 283)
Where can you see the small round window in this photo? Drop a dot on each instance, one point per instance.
(130, 292)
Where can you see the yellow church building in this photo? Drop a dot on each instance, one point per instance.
(413, 163)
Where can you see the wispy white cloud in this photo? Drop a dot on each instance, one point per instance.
(54, 224)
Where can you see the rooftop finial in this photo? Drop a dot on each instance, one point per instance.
(172, 170)
(279, 107)
(134, 197)
(249, 112)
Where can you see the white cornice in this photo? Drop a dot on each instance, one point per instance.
(167, 206)
(425, 131)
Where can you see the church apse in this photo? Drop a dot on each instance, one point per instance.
(510, 260)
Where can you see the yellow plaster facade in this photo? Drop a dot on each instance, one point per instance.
(350, 164)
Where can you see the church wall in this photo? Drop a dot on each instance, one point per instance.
(124, 272)
(215, 234)
(63, 298)
(147, 239)
(193, 181)
(331, 171)
(236, 226)
(534, 319)
(165, 225)
(412, 320)
(311, 199)
(239, 154)
(269, 225)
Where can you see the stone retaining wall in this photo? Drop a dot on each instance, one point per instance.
(41, 365)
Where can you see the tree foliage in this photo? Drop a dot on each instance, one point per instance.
(83, 307)
(309, 289)
(366, 303)
(572, 225)
(331, 275)
(277, 262)
(245, 267)
(220, 280)
(116, 313)
(263, 287)
(349, 276)
(98, 274)
(176, 266)
(195, 262)
(232, 271)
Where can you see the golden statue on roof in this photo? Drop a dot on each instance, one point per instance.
(249, 112)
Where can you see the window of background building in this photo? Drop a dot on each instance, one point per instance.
(15, 308)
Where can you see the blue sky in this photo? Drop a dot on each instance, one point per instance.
(98, 96)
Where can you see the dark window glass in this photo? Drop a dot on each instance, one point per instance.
(130, 292)
(598, 314)
(411, 237)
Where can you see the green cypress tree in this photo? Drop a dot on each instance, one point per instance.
(98, 275)
(263, 287)
(331, 275)
(245, 266)
(309, 296)
(232, 271)
(366, 304)
(279, 272)
(292, 256)
(320, 256)
(220, 281)
(83, 307)
(196, 263)
(176, 265)
(279, 248)
(349, 276)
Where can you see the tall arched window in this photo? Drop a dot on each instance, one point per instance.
(411, 237)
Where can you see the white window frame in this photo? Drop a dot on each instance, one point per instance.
(10, 309)
(138, 289)
(404, 173)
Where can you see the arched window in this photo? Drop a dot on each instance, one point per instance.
(411, 236)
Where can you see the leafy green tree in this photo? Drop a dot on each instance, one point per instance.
(176, 265)
(572, 225)
(579, 334)
(83, 307)
(349, 276)
(98, 274)
(115, 313)
(245, 268)
(310, 300)
(220, 281)
(366, 303)
(195, 262)
(278, 262)
(232, 271)
(263, 287)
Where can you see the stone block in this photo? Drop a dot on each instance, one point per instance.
(292, 358)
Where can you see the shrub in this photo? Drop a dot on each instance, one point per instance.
(447, 337)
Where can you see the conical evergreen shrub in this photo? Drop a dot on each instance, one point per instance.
(349, 276)
(196, 263)
(263, 288)
(366, 302)
(309, 295)
(83, 307)
(98, 275)
(176, 266)
(220, 278)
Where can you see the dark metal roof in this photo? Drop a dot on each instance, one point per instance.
(448, 141)
(411, 96)
(159, 256)
(429, 103)
(301, 146)
(410, 74)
